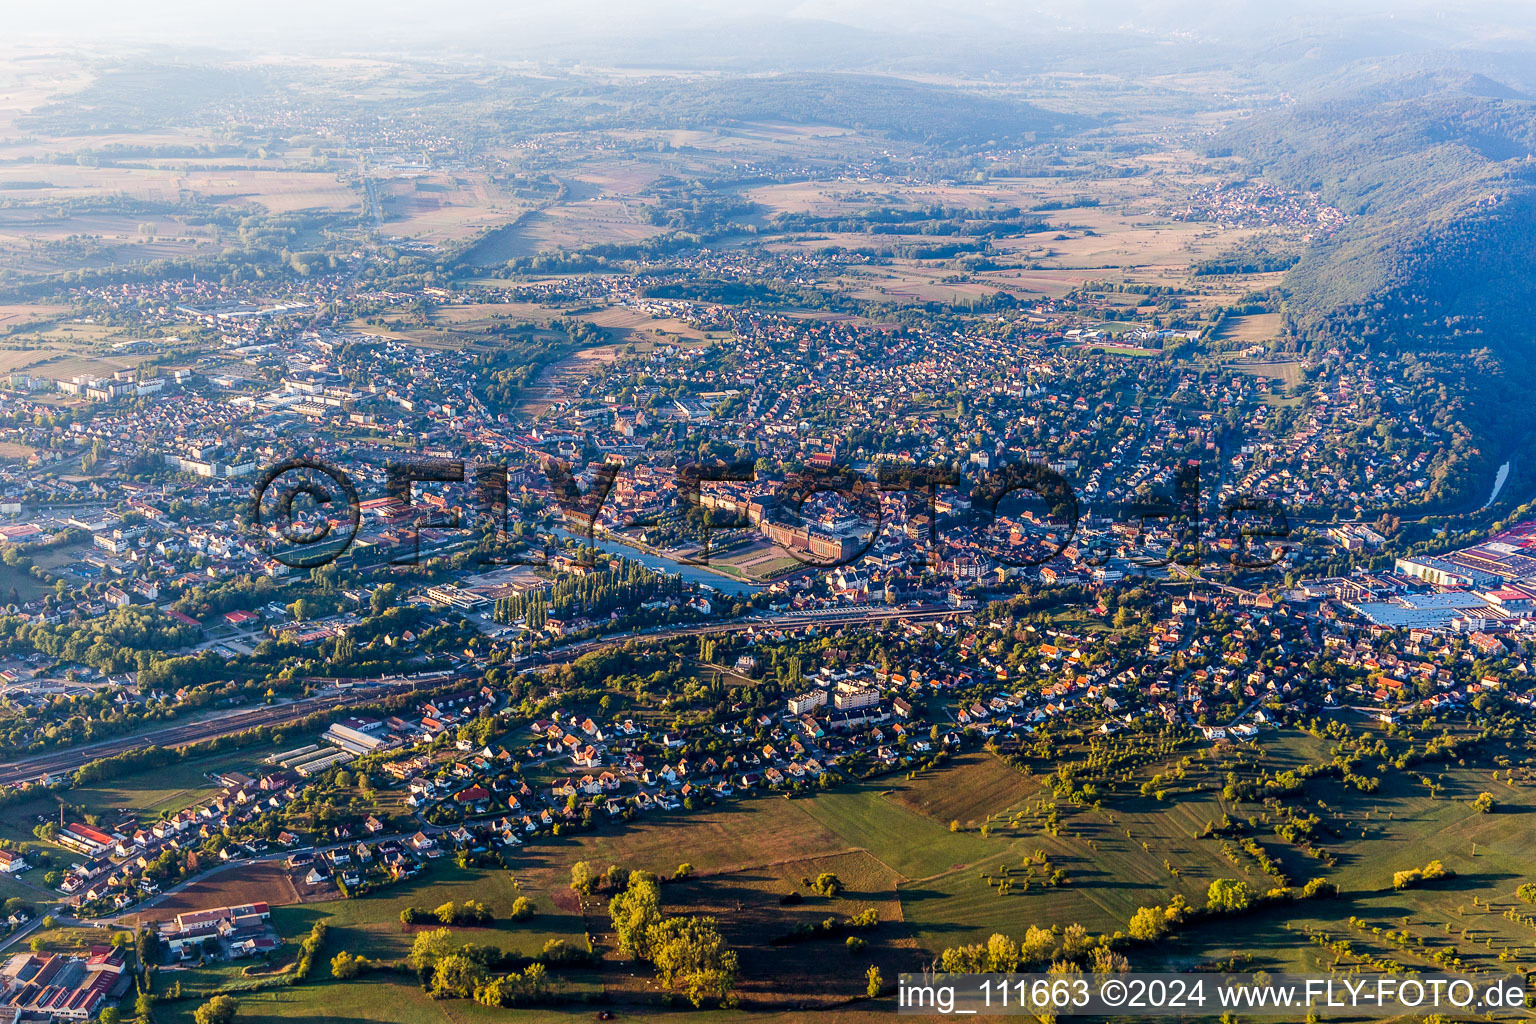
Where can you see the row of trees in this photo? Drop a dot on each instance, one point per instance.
(469, 914)
(1061, 948)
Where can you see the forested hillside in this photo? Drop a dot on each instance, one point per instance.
(905, 110)
(1441, 193)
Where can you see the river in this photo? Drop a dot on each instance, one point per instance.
(661, 563)
(1498, 485)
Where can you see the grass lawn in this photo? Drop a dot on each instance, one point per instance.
(26, 586)
(10, 886)
(63, 939)
(967, 790)
(370, 925)
(166, 789)
(1122, 350)
(378, 999)
(391, 999)
(200, 983)
(146, 793)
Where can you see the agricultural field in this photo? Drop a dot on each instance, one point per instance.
(455, 328)
(641, 329)
(1284, 377)
(264, 881)
(1121, 350)
(1401, 827)
(58, 350)
(927, 854)
(399, 1000)
(921, 844)
(616, 178)
(370, 925)
(1286, 371)
(1124, 236)
(973, 789)
(48, 181)
(441, 208)
(709, 148)
(595, 209)
(925, 877)
(277, 190)
(48, 243)
(15, 316)
(578, 222)
(554, 381)
(148, 237)
(745, 859)
(1252, 329)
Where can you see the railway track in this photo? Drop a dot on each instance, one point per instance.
(65, 761)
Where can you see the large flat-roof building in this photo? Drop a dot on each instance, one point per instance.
(1446, 573)
(359, 736)
(52, 986)
(1424, 611)
(85, 839)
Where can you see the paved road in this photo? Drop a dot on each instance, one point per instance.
(48, 906)
(22, 932)
(64, 761)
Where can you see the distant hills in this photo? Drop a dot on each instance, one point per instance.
(1439, 179)
(901, 109)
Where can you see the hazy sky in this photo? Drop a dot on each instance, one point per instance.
(509, 26)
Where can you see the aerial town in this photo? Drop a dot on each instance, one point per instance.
(540, 540)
